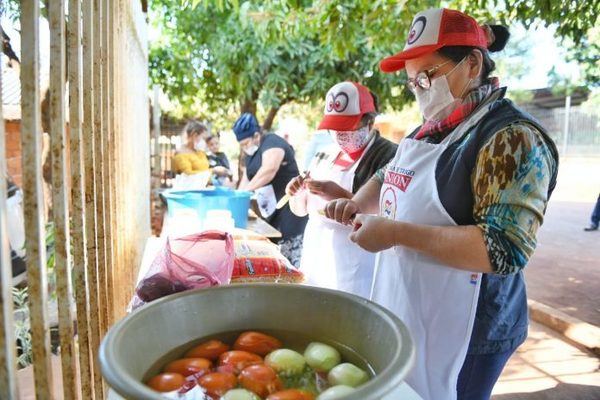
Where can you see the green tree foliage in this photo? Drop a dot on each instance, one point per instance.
(271, 53)
(219, 57)
(587, 53)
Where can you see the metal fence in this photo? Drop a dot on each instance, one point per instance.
(100, 187)
(576, 132)
(169, 139)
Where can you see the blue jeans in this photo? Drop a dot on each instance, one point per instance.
(479, 374)
(596, 213)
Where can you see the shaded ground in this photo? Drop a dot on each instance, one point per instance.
(547, 368)
(564, 272)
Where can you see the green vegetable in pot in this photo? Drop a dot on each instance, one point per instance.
(336, 392)
(239, 394)
(286, 362)
(347, 374)
(321, 357)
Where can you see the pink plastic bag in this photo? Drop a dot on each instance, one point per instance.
(196, 261)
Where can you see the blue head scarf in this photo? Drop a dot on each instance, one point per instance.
(246, 126)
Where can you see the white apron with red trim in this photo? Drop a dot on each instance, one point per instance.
(437, 302)
(329, 258)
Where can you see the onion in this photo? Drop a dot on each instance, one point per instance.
(336, 392)
(321, 357)
(286, 362)
(347, 374)
(239, 394)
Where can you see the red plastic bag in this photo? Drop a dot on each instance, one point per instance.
(195, 261)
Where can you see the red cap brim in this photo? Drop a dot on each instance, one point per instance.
(396, 62)
(340, 122)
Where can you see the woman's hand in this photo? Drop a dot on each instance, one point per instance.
(328, 190)
(295, 186)
(342, 210)
(373, 233)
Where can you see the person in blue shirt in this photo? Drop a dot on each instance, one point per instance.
(216, 158)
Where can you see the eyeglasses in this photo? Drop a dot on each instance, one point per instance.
(423, 78)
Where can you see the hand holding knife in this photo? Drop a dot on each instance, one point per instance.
(284, 200)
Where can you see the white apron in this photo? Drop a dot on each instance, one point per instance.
(437, 302)
(329, 258)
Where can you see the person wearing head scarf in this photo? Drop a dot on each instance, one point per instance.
(270, 165)
(329, 258)
(458, 209)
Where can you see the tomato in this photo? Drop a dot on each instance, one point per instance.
(189, 366)
(238, 360)
(257, 343)
(291, 394)
(211, 350)
(166, 382)
(218, 383)
(260, 379)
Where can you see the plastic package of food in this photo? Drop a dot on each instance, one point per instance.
(195, 261)
(259, 260)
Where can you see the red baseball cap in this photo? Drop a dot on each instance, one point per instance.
(345, 104)
(433, 29)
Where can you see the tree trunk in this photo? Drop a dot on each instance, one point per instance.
(268, 122)
(248, 106)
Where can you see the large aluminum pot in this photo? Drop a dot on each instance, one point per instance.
(136, 342)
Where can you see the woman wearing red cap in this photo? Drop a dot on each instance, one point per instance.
(459, 207)
(329, 258)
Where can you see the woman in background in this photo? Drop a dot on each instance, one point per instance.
(270, 165)
(329, 258)
(191, 158)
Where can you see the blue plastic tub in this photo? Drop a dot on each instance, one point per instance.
(238, 202)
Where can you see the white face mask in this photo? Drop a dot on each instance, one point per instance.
(438, 102)
(200, 145)
(352, 141)
(250, 150)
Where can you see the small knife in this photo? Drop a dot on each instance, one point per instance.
(283, 201)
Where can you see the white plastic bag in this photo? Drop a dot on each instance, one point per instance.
(191, 182)
(16, 223)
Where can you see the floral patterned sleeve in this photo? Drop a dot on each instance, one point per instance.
(510, 185)
(380, 174)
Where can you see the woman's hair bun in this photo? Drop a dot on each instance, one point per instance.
(500, 34)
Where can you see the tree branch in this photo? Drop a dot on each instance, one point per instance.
(7, 48)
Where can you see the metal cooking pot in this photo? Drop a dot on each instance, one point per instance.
(139, 340)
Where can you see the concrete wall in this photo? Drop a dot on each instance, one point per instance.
(134, 148)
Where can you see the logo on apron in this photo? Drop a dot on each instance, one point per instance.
(266, 200)
(474, 278)
(388, 203)
(400, 178)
